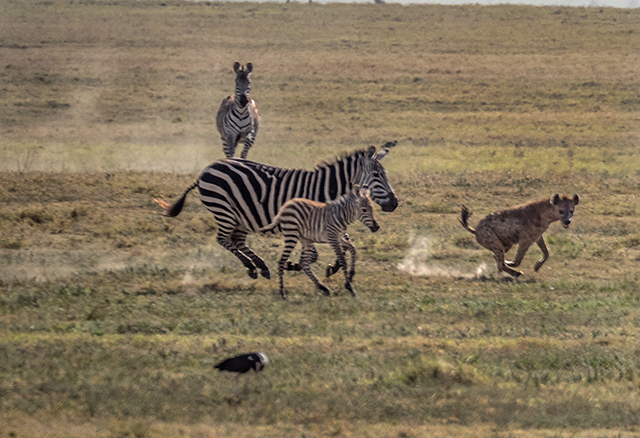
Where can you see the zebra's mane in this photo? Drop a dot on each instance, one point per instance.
(340, 157)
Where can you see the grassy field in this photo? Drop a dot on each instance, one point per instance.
(111, 316)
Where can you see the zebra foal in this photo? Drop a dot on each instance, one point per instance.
(316, 222)
(238, 115)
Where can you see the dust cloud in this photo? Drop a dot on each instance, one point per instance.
(49, 265)
(420, 261)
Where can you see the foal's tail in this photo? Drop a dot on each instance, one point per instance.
(272, 226)
(464, 218)
(174, 209)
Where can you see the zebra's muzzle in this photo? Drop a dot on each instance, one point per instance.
(374, 227)
(390, 205)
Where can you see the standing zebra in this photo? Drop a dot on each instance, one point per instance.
(245, 196)
(238, 115)
(317, 222)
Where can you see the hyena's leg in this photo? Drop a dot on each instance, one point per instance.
(298, 266)
(499, 257)
(545, 253)
(489, 240)
(337, 243)
(289, 243)
(307, 254)
(225, 239)
(240, 240)
(522, 250)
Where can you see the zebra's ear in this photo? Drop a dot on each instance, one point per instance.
(356, 189)
(385, 149)
(249, 67)
(365, 191)
(383, 153)
(371, 152)
(236, 67)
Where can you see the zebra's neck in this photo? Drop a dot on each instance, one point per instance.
(241, 102)
(329, 180)
(344, 208)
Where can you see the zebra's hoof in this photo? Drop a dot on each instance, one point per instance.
(329, 271)
(252, 273)
(293, 266)
(325, 290)
(266, 274)
(350, 289)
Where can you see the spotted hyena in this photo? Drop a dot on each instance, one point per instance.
(498, 232)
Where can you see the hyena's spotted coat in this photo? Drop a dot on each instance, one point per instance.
(498, 232)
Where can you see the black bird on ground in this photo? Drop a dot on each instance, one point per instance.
(242, 364)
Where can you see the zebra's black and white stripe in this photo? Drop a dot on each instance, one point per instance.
(238, 115)
(316, 222)
(245, 196)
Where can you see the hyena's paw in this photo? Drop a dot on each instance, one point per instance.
(537, 266)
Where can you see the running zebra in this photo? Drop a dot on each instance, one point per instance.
(245, 196)
(238, 115)
(316, 222)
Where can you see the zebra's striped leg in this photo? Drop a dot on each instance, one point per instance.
(347, 246)
(289, 244)
(248, 143)
(229, 143)
(298, 266)
(228, 244)
(240, 240)
(308, 251)
(337, 245)
(332, 269)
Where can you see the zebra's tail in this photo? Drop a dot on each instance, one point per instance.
(272, 226)
(173, 210)
(464, 218)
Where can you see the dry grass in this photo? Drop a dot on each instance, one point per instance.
(112, 316)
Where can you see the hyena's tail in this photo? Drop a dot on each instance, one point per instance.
(464, 218)
(173, 210)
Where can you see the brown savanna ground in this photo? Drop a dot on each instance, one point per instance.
(112, 316)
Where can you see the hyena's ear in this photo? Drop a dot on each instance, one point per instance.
(236, 67)
(371, 151)
(576, 199)
(249, 67)
(555, 199)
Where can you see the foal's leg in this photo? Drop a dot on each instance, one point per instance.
(346, 245)
(337, 243)
(298, 266)
(307, 254)
(290, 242)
